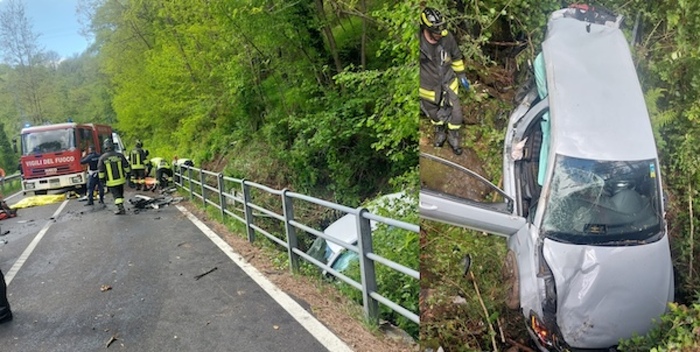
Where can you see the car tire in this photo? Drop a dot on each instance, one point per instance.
(512, 281)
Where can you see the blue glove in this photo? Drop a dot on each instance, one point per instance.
(465, 83)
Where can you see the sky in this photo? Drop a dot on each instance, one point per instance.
(57, 25)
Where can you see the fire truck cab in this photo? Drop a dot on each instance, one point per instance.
(50, 155)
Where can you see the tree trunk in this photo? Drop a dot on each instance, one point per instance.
(329, 35)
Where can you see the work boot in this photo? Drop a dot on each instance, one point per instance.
(120, 210)
(440, 136)
(5, 314)
(453, 138)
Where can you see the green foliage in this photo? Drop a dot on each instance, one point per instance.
(677, 331)
(8, 158)
(451, 312)
(400, 246)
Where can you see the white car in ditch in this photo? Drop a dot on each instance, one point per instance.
(582, 206)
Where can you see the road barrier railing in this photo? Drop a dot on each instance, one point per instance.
(249, 203)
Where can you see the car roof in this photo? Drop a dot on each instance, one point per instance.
(345, 229)
(596, 103)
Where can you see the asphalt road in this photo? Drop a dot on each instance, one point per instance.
(60, 258)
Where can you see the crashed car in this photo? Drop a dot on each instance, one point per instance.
(344, 230)
(588, 259)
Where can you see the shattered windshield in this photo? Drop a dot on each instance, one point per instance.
(51, 141)
(603, 201)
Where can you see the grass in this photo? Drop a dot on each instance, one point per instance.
(465, 311)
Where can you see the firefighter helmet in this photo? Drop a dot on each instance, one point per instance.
(108, 145)
(432, 20)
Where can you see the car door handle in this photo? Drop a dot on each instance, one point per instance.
(427, 206)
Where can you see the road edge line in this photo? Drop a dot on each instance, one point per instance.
(32, 245)
(326, 337)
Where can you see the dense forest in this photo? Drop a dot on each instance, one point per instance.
(312, 95)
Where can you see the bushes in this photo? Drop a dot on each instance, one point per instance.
(679, 330)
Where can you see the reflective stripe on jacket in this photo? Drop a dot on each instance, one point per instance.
(440, 64)
(138, 158)
(113, 168)
(159, 163)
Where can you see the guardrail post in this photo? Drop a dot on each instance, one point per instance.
(222, 200)
(189, 181)
(248, 212)
(177, 175)
(369, 278)
(201, 186)
(292, 241)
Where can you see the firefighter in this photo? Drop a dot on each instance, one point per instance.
(441, 73)
(92, 158)
(113, 170)
(163, 173)
(5, 311)
(138, 160)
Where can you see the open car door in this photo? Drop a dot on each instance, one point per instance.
(453, 194)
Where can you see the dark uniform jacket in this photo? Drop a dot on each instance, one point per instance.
(112, 168)
(92, 160)
(440, 64)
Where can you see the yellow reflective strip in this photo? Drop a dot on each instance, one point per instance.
(425, 20)
(454, 85)
(437, 123)
(453, 127)
(119, 201)
(427, 94)
(458, 65)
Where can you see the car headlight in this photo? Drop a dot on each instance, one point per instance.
(29, 185)
(544, 335)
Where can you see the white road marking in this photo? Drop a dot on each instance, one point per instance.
(25, 255)
(311, 324)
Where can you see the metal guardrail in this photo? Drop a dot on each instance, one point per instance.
(4, 181)
(199, 183)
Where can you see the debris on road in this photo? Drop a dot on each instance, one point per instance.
(197, 277)
(111, 340)
(143, 202)
(105, 288)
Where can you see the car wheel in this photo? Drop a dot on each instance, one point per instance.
(511, 279)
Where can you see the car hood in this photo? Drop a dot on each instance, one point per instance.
(605, 293)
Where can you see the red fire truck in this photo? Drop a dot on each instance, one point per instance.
(51, 155)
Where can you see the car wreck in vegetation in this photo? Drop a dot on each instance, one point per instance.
(588, 259)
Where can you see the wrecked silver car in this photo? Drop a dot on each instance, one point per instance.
(581, 206)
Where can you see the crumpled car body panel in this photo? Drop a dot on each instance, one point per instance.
(608, 293)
